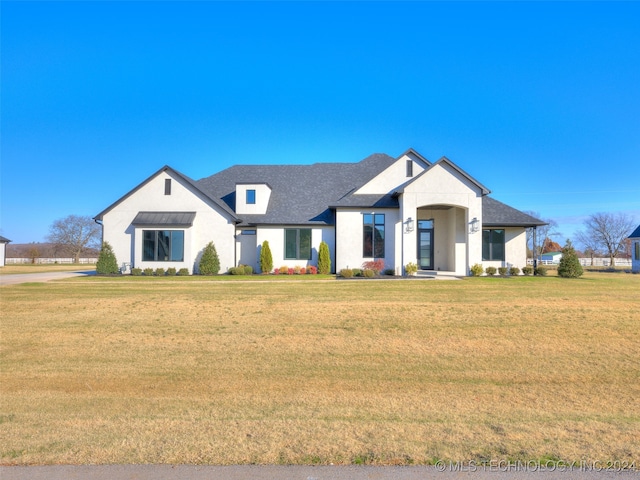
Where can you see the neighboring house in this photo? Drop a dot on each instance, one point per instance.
(551, 257)
(3, 250)
(635, 250)
(401, 210)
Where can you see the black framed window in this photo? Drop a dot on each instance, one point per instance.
(251, 197)
(163, 245)
(297, 243)
(493, 244)
(167, 186)
(373, 235)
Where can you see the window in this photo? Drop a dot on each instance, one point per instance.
(409, 168)
(248, 232)
(637, 244)
(297, 243)
(493, 245)
(167, 186)
(163, 245)
(373, 241)
(251, 197)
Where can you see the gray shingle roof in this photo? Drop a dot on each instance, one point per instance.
(301, 194)
(497, 214)
(636, 233)
(4, 240)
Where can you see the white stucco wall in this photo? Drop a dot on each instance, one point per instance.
(263, 194)
(393, 176)
(350, 234)
(211, 223)
(3, 253)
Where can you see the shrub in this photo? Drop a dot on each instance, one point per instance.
(136, 272)
(346, 273)
(171, 271)
(266, 259)
(376, 265)
(209, 262)
(324, 259)
(368, 273)
(390, 272)
(248, 270)
(477, 270)
(528, 270)
(148, 272)
(290, 271)
(159, 272)
(410, 268)
(296, 270)
(183, 272)
(357, 272)
(515, 271)
(311, 270)
(569, 263)
(490, 271)
(502, 271)
(540, 270)
(107, 263)
(276, 271)
(284, 270)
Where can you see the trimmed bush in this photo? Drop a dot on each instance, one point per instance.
(107, 263)
(209, 262)
(569, 263)
(357, 272)
(368, 273)
(248, 270)
(296, 270)
(171, 271)
(159, 272)
(284, 270)
(346, 273)
(148, 272)
(491, 271)
(324, 259)
(311, 270)
(502, 271)
(390, 272)
(528, 270)
(266, 259)
(540, 270)
(514, 271)
(477, 270)
(183, 272)
(376, 265)
(136, 272)
(411, 268)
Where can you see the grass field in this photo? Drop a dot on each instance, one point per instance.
(145, 370)
(41, 267)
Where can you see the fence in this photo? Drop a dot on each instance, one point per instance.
(588, 262)
(19, 261)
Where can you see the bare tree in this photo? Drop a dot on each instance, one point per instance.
(606, 231)
(75, 233)
(543, 232)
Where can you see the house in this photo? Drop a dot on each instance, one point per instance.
(403, 209)
(3, 250)
(635, 250)
(551, 257)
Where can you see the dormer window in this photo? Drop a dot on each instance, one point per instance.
(251, 197)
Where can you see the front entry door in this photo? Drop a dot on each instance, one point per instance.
(425, 244)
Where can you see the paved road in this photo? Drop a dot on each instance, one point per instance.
(274, 472)
(41, 277)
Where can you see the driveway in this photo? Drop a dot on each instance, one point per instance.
(41, 277)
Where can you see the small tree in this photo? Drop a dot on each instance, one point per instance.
(266, 259)
(324, 259)
(569, 263)
(107, 263)
(209, 263)
(75, 233)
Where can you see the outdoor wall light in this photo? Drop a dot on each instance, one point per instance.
(409, 223)
(475, 225)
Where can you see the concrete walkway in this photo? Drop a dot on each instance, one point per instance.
(13, 279)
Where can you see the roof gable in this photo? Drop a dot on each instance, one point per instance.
(636, 233)
(444, 161)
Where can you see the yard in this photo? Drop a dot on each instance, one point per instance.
(190, 370)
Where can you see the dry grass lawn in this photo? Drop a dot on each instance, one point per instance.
(145, 370)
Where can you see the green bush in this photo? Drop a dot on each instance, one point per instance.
(266, 259)
(239, 270)
(569, 263)
(107, 263)
(324, 259)
(477, 270)
(248, 270)
(491, 271)
(346, 273)
(514, 271)
(148, 272)
(159, 272)
(540, 270)
(357, 272)
(209, 262)
(171, 271)
(528, 270)
(136, 272)
(390, 272)
(368, 273)
(502, 271)
(183, 272)
(410, 268)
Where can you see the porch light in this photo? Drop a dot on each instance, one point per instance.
(409, 223)
(475, 225)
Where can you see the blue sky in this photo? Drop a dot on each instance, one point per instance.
(539, 101)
